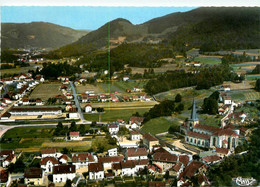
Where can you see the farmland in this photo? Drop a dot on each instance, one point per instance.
(113, 115)
(89, 87)
(45, 91)
(210, 60)
(18, 70)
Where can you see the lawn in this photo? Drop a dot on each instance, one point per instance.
(208, 60)
(113, 115)
(19, 69)
(130, 84)
(157, 125)
(46, 91)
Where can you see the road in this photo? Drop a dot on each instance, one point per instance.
(77, 102)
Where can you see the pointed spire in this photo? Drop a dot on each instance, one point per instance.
(194, 116)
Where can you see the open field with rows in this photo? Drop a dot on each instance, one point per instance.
(89, 87)
(45, 91)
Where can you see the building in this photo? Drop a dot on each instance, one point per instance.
(74, 135)
(34, 176)
(135, 135)
(108, 161)
(96, 171)
(136, 154)
(81, 160)
(150, 141)
(113, 128)
(208, 136)
(50, 153)
(7, 157)
(88, 108)
(63, 159)
(5, 177)
(112, 152)
(35, 111)
(62, 173)
(47, 164)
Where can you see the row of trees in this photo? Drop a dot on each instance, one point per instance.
(206, 78)
(62, 130)
(234, 59)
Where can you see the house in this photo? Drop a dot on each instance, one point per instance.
(5, 116)
(96, 171)
(223, 109)
(136, 89)
(164, 159)
(223, 152)
(112, 152)
(81, 160)
(108, 161)
(137, 120)
(176, 169)
(34, 176)
(74, 135)
(88, 108)
(128, 167)
(226, 88)
(62, 173)
(26, 101)
(8, 101)
(237, 117)
(227, 100)
(136, 154)
(84, 98)
(125, 78)
(47, 164)
(50, 153)
(113, 128)
(7, 157)
(150, 141)
(73, 113)
(203, 180)
(39, 102)
(212, 159)
(63, 159)
(68, 107)
(135, 135)
(5, 177)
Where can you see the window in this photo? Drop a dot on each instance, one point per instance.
(199, 142)
(202, 142)
(195, 141)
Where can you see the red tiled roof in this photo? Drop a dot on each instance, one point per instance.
(190, 170)
(177, 167)
(116, 166)
(33, 173)
(6, 152)
(4, 176)
(132, 152)
(206, 127)
(136, 119)
(111, 159)
(95, 167)
(222, 150)
(74, 133)
(64, 156)
(142, 162)
(199, 135)
(82, 157)
(165, 157)
(156, 183)
(211, 158)
(61, 169)
(227, 132)
(134, 132)
(48, 151)
(51, 159)
(10, 157)
(112, 126)
(184, 159)
(128, 164)
(149, 137)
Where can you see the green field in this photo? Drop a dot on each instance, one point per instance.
(208, 60)
(130, 84)
(252, 77)
(113, 115)
(157, 125)
(14, 137)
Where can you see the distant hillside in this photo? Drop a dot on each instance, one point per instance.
(208, 28)
(37, 34)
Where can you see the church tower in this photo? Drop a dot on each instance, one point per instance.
(193, 120)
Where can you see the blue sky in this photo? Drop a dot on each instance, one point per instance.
(88, 18)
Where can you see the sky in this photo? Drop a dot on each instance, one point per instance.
(83, 17)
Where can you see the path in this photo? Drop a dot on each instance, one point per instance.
(77, 102)
(180, 145)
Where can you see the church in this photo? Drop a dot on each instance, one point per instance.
(208, 136)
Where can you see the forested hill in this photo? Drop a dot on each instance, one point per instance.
(208, 28)
(37, 34)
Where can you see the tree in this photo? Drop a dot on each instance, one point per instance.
(180, 108)
(178, 98)
(257, 85)
(68, 183)
(174, 128)
(59, 129)
(73, 127)
(82, 129)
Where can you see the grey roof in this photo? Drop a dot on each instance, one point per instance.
(194, 116)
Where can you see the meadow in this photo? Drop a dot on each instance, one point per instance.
(46, 91)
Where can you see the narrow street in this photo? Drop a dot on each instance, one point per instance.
(77, 102)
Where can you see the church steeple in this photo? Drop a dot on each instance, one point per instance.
(194, 120)
(194, 116)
